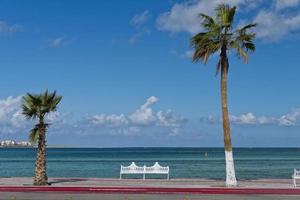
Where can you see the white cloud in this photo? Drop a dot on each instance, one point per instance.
(281, 4)
(7, 28)
(188, 54)
(141, 120)
(273, 26)
(140, 33)
(18, 119)
(168, 119)
(273, 22)
(58, 42)
(110, 120)
(289, 119)
(10, 115)
(12, 120)
(144, 114)
(183, 17)
(140, 19)
(250, 118)
(9, 106)
(293, 22)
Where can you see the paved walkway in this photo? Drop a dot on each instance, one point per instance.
(151, 187)
(173, 183)
(93, 196)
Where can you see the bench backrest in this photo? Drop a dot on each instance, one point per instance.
(134, 169)
(156, 168)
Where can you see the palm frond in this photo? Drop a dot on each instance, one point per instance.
(29, 106)
(241, 53)
(204, 46)
(246, 27)
(34, 135)
(242, 41)
(249, 46)
(225, 15)
(50, 101)
(208, 22)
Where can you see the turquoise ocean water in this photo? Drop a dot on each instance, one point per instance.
(251, 163)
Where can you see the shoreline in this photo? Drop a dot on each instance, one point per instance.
(148, 147)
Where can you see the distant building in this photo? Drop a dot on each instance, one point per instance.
(8, 143)
(24, 143)
(12, 143)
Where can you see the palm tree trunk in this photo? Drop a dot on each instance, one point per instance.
(40, 164)
(230, 172)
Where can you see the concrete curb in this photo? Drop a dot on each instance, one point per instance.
(151, 190)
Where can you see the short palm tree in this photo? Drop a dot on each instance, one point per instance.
(37, 106)
(219, 36)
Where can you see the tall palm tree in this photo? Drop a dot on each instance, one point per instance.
(37, 106)
(220, 36)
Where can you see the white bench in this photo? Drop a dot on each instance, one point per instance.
(296, 176)
(134, 169)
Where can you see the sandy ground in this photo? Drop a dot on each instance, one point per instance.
(180, 183)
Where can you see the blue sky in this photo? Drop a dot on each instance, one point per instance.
(126, 76)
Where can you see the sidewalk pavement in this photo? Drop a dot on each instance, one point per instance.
(178, 183)
(151, 186)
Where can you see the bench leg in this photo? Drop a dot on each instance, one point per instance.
(294, 182)
(144, 176)
(120, 176)
(168, 177)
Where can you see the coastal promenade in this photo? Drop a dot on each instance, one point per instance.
(95, 188)
(101, 185)
(116, 196)
(149, 183)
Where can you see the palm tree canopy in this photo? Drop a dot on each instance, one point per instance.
(218, 33)
(36, 106)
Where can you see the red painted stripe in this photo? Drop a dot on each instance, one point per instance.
(148, 190)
